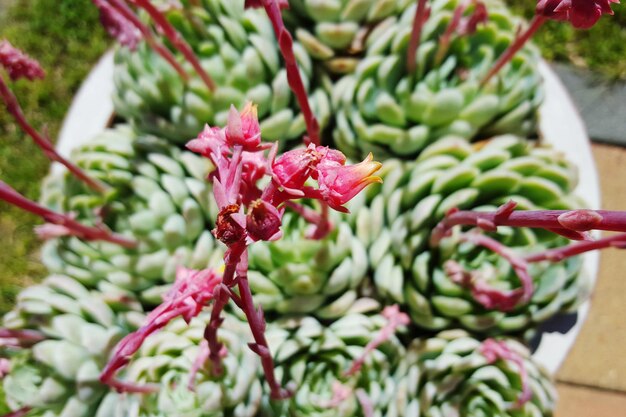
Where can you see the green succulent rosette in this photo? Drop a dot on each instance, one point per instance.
(314, 359)
(383, 109)
(458, 379)
(237, 48)
(158, 195)
(396, 219)
(59, 375)
(334, 31)
(300, 275)
(167, 358)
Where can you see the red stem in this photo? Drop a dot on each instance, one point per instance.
(20, 338)
(22, 412)
(517, 44)
(177, 41)
(14, 108)
(558, 254)
(260, 347)
(569, 223)
(445, 39)
(11, 196)
(416, 35)
(165, 53)
(322, 225)
(285, 42)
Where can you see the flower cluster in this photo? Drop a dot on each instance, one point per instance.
(18, 64)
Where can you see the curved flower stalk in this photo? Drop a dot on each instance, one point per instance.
(395, 220)
(582, 14)
(464, 376)
(168, 359)
(249, 213)
(158, 196)
(336, 370)
(334, 33)
(239, 48)
(19, 65)
(386, 109)
(572, 224)
(58, 375)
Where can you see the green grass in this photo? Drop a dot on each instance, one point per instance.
(601, 48)
(65, 36)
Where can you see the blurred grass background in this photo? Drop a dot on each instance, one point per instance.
(65, 36)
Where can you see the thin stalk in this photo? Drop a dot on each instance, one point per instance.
(558, 254)
(11, 196)
(177, 41)
(285, 43)
(165, 53)
(446, 38)
(517, 44)
(416, 35)
(321, 223)
(22, 412)
(20, 338)
(44, 144)
(260, 347)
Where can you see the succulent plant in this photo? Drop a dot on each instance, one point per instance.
(59, 374)
(167, 359)
(464, 376)
(300, 275)
(384, 109)
(315, 359)
(239, 51)
(158, 195)
(397, 218)
(334, 31)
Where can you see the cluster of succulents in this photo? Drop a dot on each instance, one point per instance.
(349, 315)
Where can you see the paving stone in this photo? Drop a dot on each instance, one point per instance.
(602, 103)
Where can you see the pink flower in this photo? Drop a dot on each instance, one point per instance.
(263, 221)
(243, 128)
(18, 64)
(117, 25)
(582, 14)
(191, 292)
(295, 167)
(339, 183)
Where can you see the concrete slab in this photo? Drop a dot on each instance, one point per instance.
(601, 103)
(576, 401)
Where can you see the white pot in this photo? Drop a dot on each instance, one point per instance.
(560, 125)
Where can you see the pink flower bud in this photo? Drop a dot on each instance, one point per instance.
(339, 183)
(18, 64)
(263, 221)
(117, 25)
(243, 129)
(582, 14)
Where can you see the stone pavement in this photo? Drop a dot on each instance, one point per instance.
(592, 381)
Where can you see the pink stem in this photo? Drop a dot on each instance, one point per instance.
(519, 264)
(232, 259)
(20, 338)
(257, 324)
(517, 44)
(203, 355)
(395, 318)
(367, 406)
(174, 37)
(11, 196)
(126, 11)
(22, 412)
(493, 350)
(285, 42)
(558, 254)
(446, 38)
(568, 223)
(416, 34)
(14, 108)
(320, 221)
